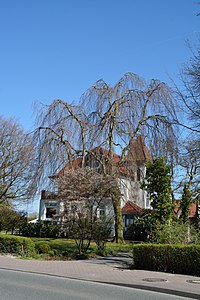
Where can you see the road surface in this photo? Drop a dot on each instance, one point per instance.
(28, 286)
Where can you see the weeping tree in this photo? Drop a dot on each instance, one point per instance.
(108, 117)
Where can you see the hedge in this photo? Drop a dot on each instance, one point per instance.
(179, 259)
(16, 245)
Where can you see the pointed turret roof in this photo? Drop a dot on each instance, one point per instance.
(138, 151)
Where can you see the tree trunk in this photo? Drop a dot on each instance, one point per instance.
(118, 220)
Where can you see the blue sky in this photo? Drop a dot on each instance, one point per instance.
(53, 49)
(57, 48)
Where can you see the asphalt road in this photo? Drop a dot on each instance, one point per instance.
(15, 285)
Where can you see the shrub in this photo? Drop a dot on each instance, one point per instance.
(142, 228)
(61, 247)
(43, 248)
(179, 259)
(42, 229)
(16, 245)
(176, 233)
(101, 233)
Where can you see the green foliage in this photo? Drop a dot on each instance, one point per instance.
(84, 230)
(10, 219)
(158, 185)
(81, 232)
(43, 248)
(101, 233)
(67, 249)
(60, 248)
(185, 202)
(142, 228)
(179, 259)
(41, 229)
(16, 245)
(175, 233)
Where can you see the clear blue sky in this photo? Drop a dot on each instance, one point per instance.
(58, 48)
(53, 49)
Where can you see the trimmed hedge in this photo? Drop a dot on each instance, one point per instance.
(179, 259)
(16, 245)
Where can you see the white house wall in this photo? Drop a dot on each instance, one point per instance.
(131, 191)
(44, 205)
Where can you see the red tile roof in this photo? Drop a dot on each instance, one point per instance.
(193, 209)
(138, 153)
(74, 164)
(131, 208)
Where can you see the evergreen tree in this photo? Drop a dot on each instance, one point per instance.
(158, 186)
(185, 202)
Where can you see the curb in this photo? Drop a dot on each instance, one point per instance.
(133, 286)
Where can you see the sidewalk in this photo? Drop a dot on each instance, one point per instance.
(109, 270)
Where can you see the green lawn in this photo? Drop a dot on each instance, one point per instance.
(65, 248)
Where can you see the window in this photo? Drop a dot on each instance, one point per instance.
(50, 212)
(129, 219)
(102, 212)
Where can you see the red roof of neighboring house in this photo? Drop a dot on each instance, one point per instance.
(193, 209)
(131, 208)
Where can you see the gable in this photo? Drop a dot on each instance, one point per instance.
(131, 208)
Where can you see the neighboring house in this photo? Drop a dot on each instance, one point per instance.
(194, 212)
(133, 200)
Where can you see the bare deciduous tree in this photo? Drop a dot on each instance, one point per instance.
(190, 162)
(16, 161)
(189, 99)
(190, 94)
(87, 209)
(110, 118)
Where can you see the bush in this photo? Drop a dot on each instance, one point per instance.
(16, 245)
(62, 248)
(176, 233)
(43, 248)
(142, 228)
(179, 259)
(101, 233)
(42, 229)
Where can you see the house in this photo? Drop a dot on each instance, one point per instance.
(194, 212)
(130, 213)
(133, 199)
